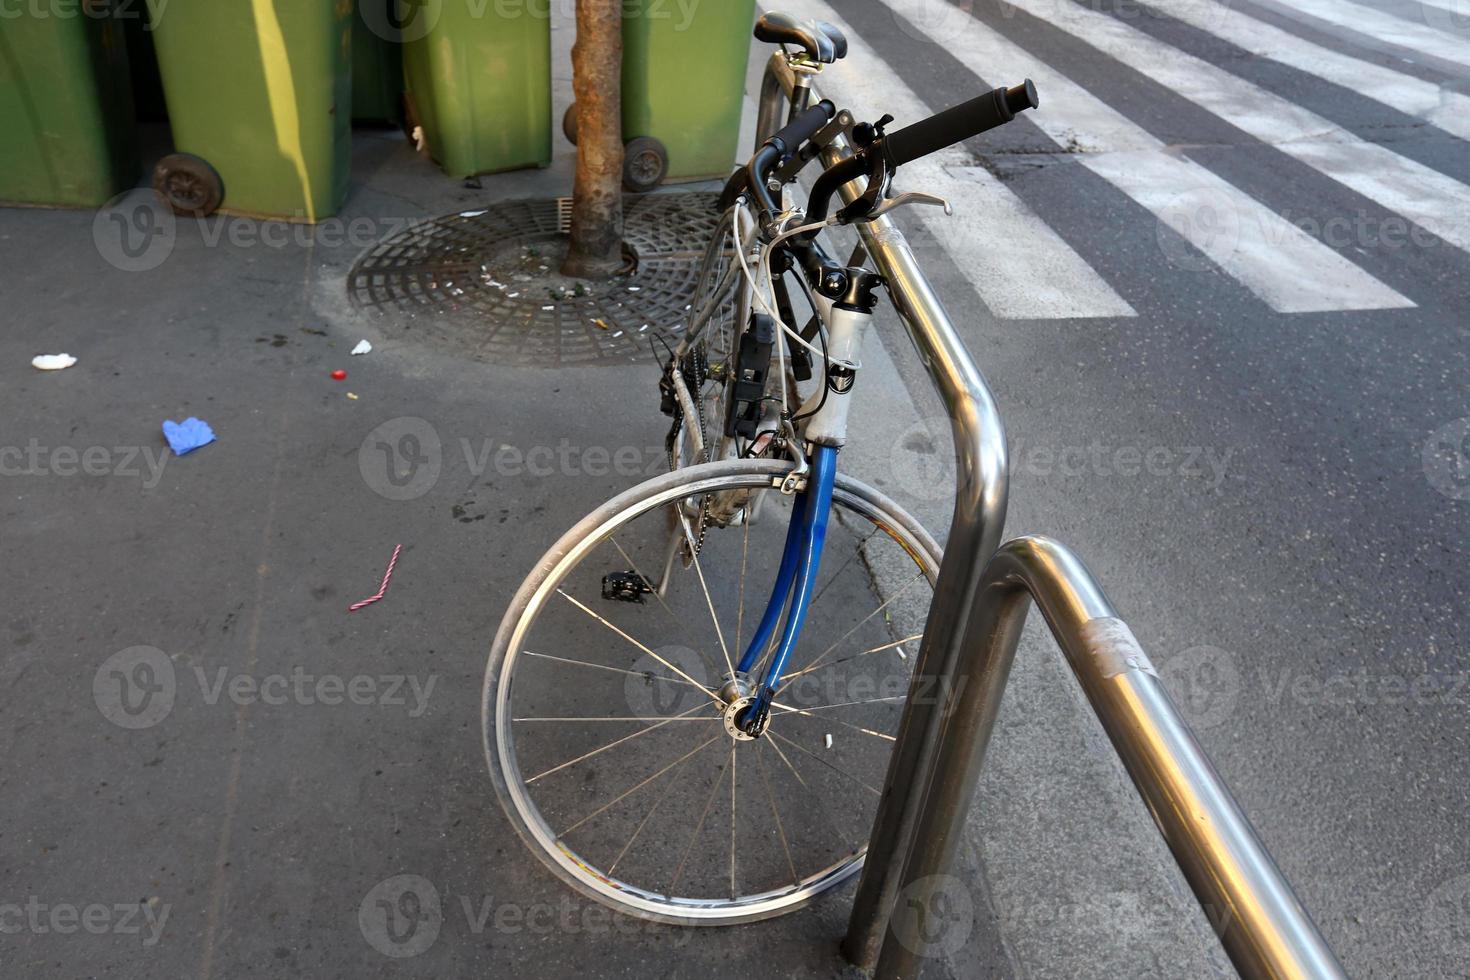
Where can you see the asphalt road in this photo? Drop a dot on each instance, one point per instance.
(1230, 350)
(1266, 462)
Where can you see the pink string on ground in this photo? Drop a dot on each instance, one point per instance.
(381, 589)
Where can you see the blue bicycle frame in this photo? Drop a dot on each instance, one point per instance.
(792, 594)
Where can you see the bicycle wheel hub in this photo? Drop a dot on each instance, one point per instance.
(738, 696)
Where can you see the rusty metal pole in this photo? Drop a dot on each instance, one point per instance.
(596, 247)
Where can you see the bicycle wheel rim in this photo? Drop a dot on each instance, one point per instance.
(500, 744)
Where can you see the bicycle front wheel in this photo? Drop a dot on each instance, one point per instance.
(608, 694)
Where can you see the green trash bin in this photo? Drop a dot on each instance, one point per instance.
(66, 108)
(377, 65)
(259, 99)
(684, 84)
(478, 77)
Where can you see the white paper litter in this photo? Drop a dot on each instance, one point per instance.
(363, 347)
(829, 739)
(52, 362)
(470, 214)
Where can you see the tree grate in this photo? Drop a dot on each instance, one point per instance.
(485, 284)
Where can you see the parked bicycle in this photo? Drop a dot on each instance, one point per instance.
(662, 741)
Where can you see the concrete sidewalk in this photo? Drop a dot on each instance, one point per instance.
(247, 821)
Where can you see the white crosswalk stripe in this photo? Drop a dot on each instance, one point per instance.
(1416, 192)
(1447, 109)
(1444, 40)
(1019, 265)
(1285, 267)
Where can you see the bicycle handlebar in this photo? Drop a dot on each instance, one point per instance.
(883, 156)
(804, 127)
(773, 152)
(959, 123)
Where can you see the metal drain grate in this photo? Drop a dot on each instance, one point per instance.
(484, 283)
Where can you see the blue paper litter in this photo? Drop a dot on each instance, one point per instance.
(188, 435)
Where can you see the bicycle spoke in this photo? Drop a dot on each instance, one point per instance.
(693, 683)
(857, 552)
(843, 660)
(821, 803)
(649, 815)
(616, 670)
(694, 837)
(760, 760)
(733, 760)
(849, 704)
(647, 582)
(744, 554)
(708, 599)
(885, 604)
(615, 718)
(837, 769)
(629, 792)
(620, 741)
(856, 728)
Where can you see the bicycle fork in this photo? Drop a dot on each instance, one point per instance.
(791, 595)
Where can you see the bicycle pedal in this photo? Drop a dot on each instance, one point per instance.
(625, 587)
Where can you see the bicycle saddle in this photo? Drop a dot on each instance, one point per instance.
(822, 41)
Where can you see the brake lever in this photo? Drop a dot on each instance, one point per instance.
(903, 200)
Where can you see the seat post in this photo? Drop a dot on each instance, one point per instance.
(801, 94)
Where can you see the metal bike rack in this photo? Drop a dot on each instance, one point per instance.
(974, 625)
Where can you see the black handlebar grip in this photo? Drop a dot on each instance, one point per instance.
(960, 123)
(805, 126)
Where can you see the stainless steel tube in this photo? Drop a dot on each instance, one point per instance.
(982, 481)
(1262, 926)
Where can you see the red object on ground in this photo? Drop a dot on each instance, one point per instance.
(382, 588)
(339, 375)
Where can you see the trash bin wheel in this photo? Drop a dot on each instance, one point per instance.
(188, 184)
(569, 124)
(645, 164)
